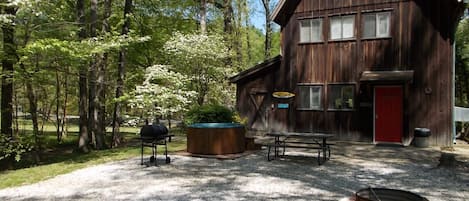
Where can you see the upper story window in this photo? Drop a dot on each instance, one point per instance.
(342, 27)
(341, 96)
(310, 97)
(376, 25)
(311, 30)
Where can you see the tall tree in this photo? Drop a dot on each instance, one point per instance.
(228, 27)
(228, 17)
(248, 38)
(83, 140)
(203, 16)
(268, 29)
(241, 7)
(57, 106)
(116, 136)
(31, 93)
(8, 60)
(101, 90)
(96, 136)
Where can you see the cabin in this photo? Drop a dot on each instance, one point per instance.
(365, 70)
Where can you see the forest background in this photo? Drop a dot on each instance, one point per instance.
(100, 63)
(103, 63)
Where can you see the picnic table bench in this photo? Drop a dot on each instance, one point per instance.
(305, 140)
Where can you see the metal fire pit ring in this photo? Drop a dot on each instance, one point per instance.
(385, 194)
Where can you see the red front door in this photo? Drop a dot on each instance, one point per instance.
(388, 114)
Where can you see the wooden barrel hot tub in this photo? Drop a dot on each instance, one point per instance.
(215, 138)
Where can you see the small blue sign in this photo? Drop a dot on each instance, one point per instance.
(282, 106)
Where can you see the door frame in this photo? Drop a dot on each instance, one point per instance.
(259, 108)
(374, 111)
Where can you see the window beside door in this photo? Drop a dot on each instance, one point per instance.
(310, 97)
(341, 96)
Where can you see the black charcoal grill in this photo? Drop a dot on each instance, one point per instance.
(153, 135)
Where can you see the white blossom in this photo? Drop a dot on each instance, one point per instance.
(163, 92)
(203, 58)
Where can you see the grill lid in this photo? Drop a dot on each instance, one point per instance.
(153, 131)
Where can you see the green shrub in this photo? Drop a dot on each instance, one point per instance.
(12, 148)
(209, 114)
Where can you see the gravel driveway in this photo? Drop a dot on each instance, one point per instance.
(252, 177)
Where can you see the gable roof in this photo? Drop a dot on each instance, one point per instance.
(283, 11)
(267, 64)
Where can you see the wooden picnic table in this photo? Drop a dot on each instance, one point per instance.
(307, 140)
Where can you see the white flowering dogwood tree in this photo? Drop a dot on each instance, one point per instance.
(203, 59)
(163, 93)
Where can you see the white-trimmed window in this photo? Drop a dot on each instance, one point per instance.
(310, 97)
(342, 27)
(376, 25)
(341, 96)
(311, 30)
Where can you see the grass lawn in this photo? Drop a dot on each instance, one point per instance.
(60, 158)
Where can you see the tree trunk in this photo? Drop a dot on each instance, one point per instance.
(83, 140)
(64, 110)
(16, 129)
(228, 17)
(33, 111)
(238, 34)
(57, 106)
(268, 29)
(8, 60)
(101, 92)
(248, 39)
(203, 16)
(116, 136)
(202, 90)
(228, 27)
(96, 136)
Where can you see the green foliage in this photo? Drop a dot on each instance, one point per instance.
(202, 58)
(12, 148)
(462, 63)
(212, 113)
(241, 120)
(51, 55)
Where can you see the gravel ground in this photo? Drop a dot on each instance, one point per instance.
(252, 177)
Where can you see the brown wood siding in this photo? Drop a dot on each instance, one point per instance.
(256, 86)
(432, 58)
(419, 41)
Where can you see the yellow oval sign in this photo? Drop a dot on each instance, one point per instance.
(283, 94)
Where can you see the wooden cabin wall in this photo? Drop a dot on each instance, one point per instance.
(419, 41)
(259, 89)
(431, 93)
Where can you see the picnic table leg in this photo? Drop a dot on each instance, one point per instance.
(324, 148)
(142, 153)
(268, 153)
(153, 150)
(276, 146)
(284, 147)
(319, 157)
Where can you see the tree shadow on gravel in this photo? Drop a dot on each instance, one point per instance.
(295, 177)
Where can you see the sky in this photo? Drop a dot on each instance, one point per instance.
(257, 13)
